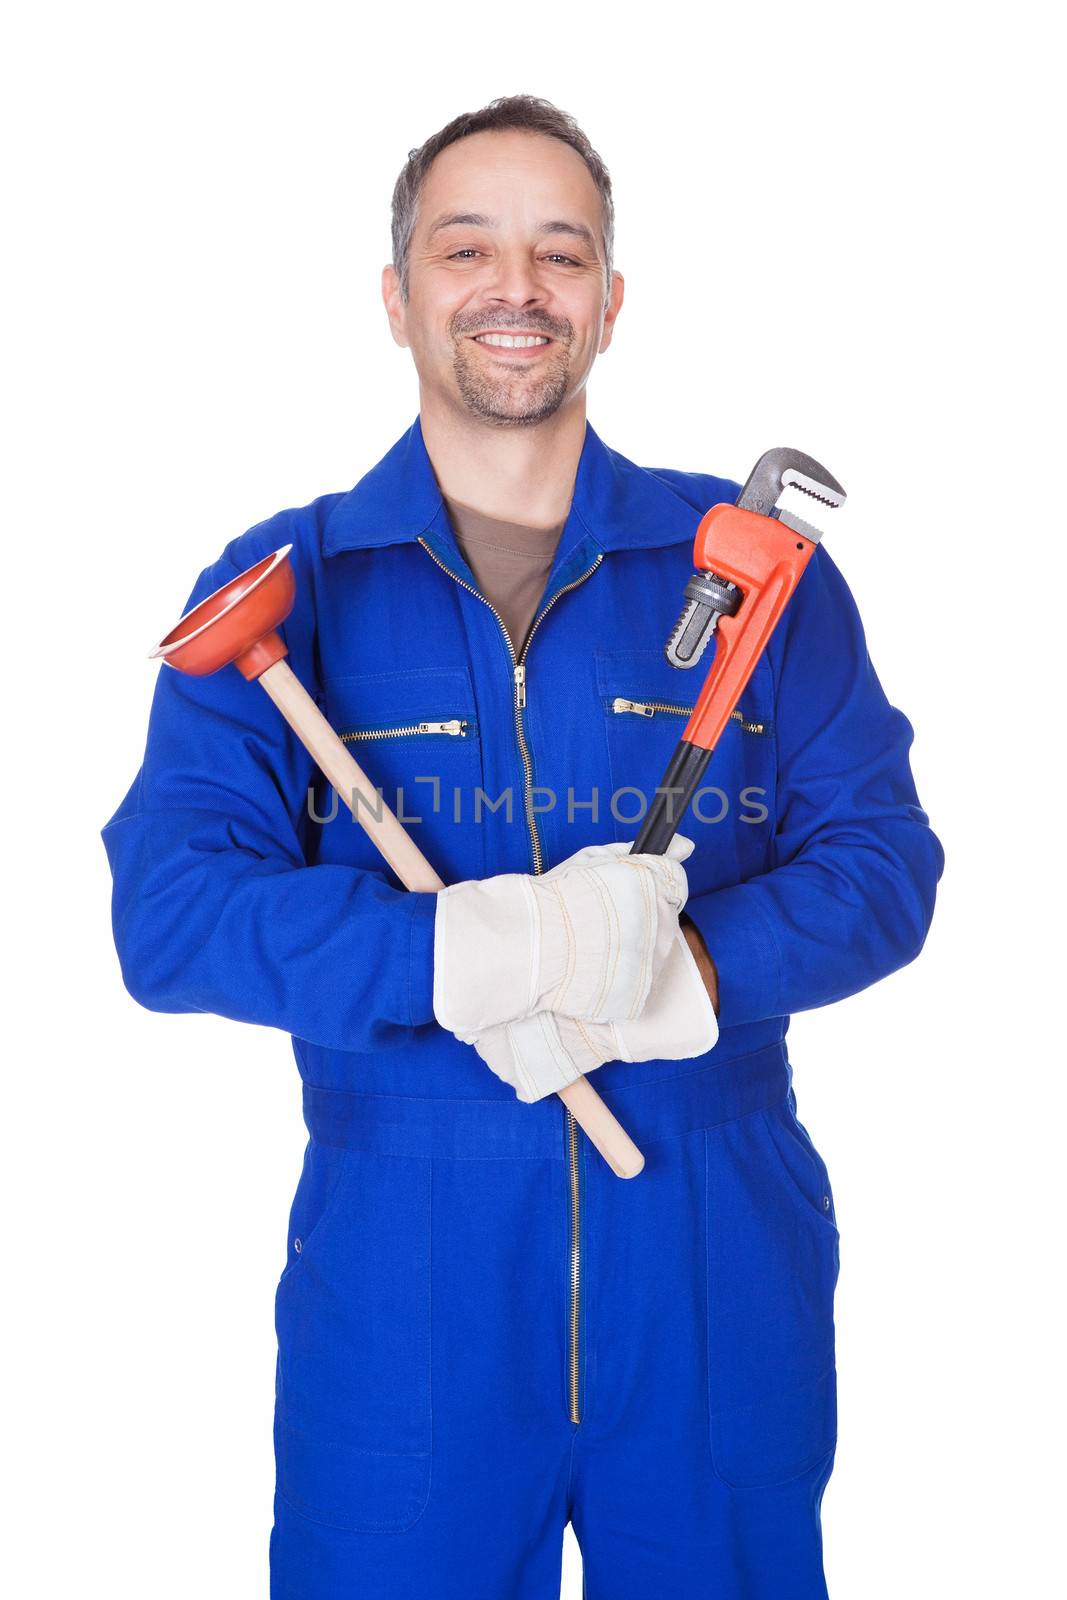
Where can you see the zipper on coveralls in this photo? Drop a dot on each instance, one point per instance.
(518, 665)
(648, 708)
(455, 727)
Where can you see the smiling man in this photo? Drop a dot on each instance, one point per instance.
(483, 1334)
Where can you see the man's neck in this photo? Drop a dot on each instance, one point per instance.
(515, 474)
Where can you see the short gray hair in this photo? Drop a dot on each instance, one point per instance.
(524, 112)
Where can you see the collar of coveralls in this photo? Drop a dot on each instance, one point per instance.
(616, 505)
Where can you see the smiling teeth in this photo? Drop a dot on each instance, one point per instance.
(509, 341)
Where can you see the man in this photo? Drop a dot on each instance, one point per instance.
(482, 1332)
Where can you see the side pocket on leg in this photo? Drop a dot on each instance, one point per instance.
(353, 1410)
(772, 1268)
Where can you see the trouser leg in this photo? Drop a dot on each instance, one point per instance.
(422, 1431)
(708, 1423)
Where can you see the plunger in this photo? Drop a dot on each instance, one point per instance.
(238, 624)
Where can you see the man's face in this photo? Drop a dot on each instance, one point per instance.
(507, 241)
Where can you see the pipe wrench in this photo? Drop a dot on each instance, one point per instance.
(749, 558)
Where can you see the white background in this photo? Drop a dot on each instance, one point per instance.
(835, 227)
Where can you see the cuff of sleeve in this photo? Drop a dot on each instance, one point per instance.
(420, 968)
(741, 942)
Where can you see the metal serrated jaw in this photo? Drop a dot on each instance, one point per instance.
(692, 634)
(792, 479)
(789, 519)
(784, 468)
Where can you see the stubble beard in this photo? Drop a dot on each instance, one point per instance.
(517, 401)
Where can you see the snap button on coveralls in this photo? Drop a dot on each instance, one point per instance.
(482, 1332)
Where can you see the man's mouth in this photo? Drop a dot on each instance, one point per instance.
(512, 341)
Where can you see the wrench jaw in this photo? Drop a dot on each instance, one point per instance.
(708, 596)
(822, 488)
(781, 469)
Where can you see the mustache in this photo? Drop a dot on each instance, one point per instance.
(526, 322)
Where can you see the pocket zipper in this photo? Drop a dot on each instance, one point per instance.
(456, 728)
(648, 708)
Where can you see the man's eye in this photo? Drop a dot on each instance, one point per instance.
(468, 252)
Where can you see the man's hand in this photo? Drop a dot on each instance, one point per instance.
(542, 1053)
(705, 965)
(585, 940)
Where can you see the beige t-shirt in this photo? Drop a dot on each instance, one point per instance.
(510, 564)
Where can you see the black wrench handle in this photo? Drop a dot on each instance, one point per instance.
(677, 788)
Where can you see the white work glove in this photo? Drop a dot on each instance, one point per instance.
(541, 1054)
(584, 940)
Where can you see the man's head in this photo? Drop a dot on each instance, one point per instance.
(503, 225)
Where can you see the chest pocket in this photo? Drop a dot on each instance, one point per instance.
(416, 736)
(645, 704)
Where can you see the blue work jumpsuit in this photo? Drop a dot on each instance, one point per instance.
(482, 1332)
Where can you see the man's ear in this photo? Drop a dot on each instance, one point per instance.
(614, 306)
(394, 305)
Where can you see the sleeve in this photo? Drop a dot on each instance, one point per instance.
(214, 907)
(854, 864)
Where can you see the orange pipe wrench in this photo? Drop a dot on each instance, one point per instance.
(749, 559)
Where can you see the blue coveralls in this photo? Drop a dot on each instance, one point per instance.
(482, 1332)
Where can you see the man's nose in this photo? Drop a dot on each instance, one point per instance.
(516, 280)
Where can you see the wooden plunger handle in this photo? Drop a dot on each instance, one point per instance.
(415, 872)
